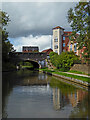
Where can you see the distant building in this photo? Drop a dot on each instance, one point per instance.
(47, 51)
(61, 41)
(30, 49)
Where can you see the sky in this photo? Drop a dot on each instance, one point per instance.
(32, 22)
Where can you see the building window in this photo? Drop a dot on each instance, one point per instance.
(63, 37)
(63, 44)
(56, 46)
(66, 33)
(56, 40)
(75, 48)
(71, 47)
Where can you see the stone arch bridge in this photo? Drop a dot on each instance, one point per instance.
(37, 59)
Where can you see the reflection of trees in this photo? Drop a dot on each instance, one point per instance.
(34, 79)
(6, 90)
(64, 94)
(64, 87)
(26, 77)
(22, 77)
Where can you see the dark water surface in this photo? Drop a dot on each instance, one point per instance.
(30, 94)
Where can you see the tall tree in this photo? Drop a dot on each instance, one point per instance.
(79, 19)
(6, 45)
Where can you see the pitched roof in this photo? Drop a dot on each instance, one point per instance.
(47, 50)
(67, 32)
(58, 27)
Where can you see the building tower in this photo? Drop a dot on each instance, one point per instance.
(57, 39)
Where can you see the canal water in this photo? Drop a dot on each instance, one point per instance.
(31, 94)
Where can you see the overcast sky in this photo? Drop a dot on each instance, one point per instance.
(32, 23)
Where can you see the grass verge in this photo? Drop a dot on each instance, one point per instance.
(27, 67)
(86, 79)
(78, 72)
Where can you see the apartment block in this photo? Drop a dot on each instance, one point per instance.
(61, 41)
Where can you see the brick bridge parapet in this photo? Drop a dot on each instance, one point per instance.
(38, 57)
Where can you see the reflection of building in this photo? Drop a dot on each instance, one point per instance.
(61, 100)
(62, 43)
(75, 98)
(42, 77)
(30, 49)
(56, 98)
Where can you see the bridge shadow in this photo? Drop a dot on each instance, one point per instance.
(34, 64)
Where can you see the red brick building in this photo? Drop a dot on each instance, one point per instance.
(62, 43)
(65, 41)
(47, 51)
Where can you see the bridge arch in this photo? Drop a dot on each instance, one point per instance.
(37, 59)
(34, 63)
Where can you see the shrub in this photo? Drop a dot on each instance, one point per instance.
(64, 61)
(64, 69)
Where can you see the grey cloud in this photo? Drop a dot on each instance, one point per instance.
(36, 18)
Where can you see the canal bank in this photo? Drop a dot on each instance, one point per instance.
(72, 79)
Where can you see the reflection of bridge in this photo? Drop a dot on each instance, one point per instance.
(37, 59)
(34, 81)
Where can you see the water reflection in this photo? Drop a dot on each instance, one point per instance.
(28, 94)
(56, 98)
(78, 98)
(81, 105)
(73, 98)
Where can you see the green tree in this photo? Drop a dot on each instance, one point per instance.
(6, 45)
(79, 19)
(64, 61)
(54, 58)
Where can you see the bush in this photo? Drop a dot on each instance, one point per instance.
(64, 69)
(64, 61)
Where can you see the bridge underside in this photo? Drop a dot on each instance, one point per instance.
(35, 64)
